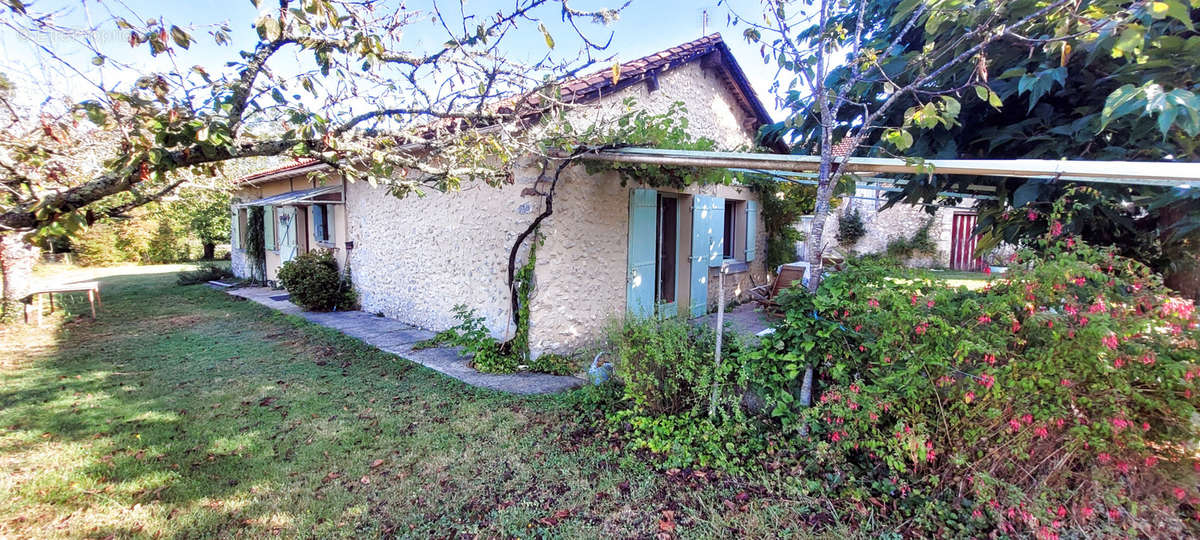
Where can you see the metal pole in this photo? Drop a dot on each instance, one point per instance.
(712, 401)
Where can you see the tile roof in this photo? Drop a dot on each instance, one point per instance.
(599, 84)
(299, 164)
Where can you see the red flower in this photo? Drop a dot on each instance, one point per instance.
(921, 328)
(1180, 493)
(1110, 341)
(873, 302)
(984, 319)
(987, 270)
(969, 397)
(986, 380)
(1016, 326)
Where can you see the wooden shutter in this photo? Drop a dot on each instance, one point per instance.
(234, 232)
(701, 250)
(643, 209)
(318, 212)
(751, 228)
(716, 231)
(269, 227)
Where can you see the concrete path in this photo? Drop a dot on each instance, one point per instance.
(398, 338)
(746, 319)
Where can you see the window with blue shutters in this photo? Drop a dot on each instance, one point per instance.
(751, 229)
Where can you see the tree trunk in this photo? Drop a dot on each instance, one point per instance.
(17, 258)
(210, 251)
(1184, 276)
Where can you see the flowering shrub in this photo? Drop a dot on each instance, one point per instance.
(1062, 396)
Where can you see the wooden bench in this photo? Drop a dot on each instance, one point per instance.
(34, 299)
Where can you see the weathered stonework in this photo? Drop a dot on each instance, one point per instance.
(415, 259)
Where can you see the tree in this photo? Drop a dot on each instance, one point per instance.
(363, 101)
(847, 67)
(205, 212)
(1124, 92)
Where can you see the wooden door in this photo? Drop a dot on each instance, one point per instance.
(962, 243)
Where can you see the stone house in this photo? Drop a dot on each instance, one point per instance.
(608, 249)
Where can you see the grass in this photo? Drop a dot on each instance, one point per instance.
(183, 412)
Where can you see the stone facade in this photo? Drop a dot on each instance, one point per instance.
(414, 259)
(901, 221)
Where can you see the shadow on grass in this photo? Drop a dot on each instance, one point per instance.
(184, 412)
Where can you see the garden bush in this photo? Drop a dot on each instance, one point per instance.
(850, 227)
(1059, 398)
(667, 369)
(314, 283)
(205, 273)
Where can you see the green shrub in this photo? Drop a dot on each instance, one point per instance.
(314, 283)
(850, 227)
(920, 243)
(555, 364)
(205, 273)
(668, 369)
(1060, 397)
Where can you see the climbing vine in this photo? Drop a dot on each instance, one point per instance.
(783, 204)
(523, 289)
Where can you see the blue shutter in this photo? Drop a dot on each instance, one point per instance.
(701, 251)
(269, 228)
(318, 213)
(751, 228)
(643, 208)
(716, 228)
(235, 234)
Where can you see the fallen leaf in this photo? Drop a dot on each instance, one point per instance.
(331, 476)
(376, 463)
(365, 480)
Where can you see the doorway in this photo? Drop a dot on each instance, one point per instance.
(667, 255)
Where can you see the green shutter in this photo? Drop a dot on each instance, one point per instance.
(269, 228)
(751, 228)
(716, 231)
(643, 209)
(234, 238)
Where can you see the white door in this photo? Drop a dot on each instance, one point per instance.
(287, 233)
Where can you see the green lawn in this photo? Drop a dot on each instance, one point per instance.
(182, 412)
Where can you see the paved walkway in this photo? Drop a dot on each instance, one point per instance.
(398, 338)
(746, 319)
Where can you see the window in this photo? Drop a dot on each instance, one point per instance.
(322, 231)
(668, 243)
(732, 240)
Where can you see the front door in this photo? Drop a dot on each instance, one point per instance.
(668, 253)
(287, 234)
(962, 243)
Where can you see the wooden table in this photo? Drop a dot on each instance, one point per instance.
(92, 288)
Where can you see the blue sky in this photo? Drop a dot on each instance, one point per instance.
(646, 26)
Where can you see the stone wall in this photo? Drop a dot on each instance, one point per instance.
(416, 258)
(899, 221)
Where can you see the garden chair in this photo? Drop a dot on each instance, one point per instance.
(786, 276)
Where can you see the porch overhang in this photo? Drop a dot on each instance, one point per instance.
(321, 195)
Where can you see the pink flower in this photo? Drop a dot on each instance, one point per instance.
(984, 319)
(1028, 418)
(1104, 458)
(1056, 228)
(1014, 424)
(1031, 215)
(1150, 461)
(873, 302)
(1123, 467)
(837, 436)
(1041, 432)
(986, 380)
(969, 396)
(854, 388)
(1016, 326)
(1062, 511)
(921, 328)
(1118, 362)
(1086, 512)
(987, 270)
(929, 303)
(913, 299)
(1065, 382)
(1081, 281)
(1148, 359)
(1114, 513)
(1110, 341)
(1180, 493)
(990, 359)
